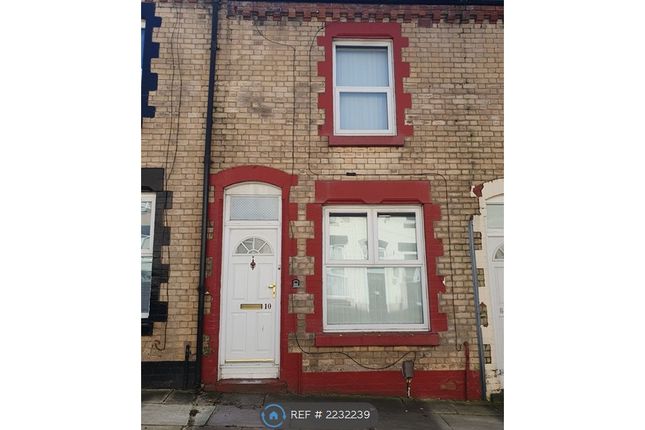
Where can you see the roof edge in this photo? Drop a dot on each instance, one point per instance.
(386, 2)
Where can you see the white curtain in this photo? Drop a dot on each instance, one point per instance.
(362, 67)
(361, 295)
(363, 111)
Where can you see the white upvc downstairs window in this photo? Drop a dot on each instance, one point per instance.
(374, 269)
(363, 76)
(148, 201)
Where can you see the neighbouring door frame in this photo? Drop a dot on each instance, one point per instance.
(488, 192)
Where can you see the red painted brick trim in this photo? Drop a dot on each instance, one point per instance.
(375, 192)
(440, 384)
(430, 14)
(390, 30)
(477, 190)
(378, 339)
(290, 364)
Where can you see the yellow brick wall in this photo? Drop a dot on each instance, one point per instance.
(174, 140)
(457, 113)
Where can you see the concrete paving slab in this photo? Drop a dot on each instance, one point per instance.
(471, 422)
(436, 406)
(205, 398)
(411, 421)
(229, 415)
(243, 400)
(154, 396)
(178, 397)
(200, 415)
(479, 408)
(225, 428)
(162, 427)
(284, 397)
(384, 403)
(159, 414)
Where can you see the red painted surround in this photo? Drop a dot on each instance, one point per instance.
(289, 363)
(449, 384)
(375, 192)
(364, 30)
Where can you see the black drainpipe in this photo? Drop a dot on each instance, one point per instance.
(480, 345)
(207, 172)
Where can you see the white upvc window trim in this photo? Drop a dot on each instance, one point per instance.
(389, 91)
(374, 261)
(152, 198)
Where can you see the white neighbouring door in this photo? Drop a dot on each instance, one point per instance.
(495, 247)
(250, 309)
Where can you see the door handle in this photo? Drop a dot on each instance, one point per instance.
(273, 286)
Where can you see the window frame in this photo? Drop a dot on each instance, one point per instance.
(389, 90)
(152, 198)
(374, 261)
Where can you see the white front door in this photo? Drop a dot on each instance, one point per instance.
(250, 311)
(496, 265)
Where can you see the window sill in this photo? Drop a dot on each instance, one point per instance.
(377, 339)
(339, 140)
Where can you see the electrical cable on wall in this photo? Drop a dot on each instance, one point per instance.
(352, 358)
(316, 175)
(170, 164)
(293, 80)
(408, 175)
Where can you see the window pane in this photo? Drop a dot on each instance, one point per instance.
(499, 254)
(146, 282)
(378, 295)
(253, 245)
(244, 208)
(362, 66)
(495, 215)
(347, 236)
(397, 236)
(363, 111)
(146, 218)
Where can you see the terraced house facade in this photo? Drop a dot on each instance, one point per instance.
(322, 196)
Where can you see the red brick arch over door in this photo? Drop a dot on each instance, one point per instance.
(289, 363)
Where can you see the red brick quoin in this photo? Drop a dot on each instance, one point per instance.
(364, 30)
(383, 193)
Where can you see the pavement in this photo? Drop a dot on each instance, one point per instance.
(186, 410)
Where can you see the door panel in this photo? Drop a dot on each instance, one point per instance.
(250, 310)
(495, 244)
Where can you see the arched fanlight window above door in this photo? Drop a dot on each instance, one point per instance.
(253, 246)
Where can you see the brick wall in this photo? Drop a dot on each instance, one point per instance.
(456, 61)
(174, 140)
(457, 115)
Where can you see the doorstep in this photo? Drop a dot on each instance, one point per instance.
(259, 386)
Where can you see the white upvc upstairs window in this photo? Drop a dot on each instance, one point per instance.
(363, 76)
(148, 201)
(374, 269)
